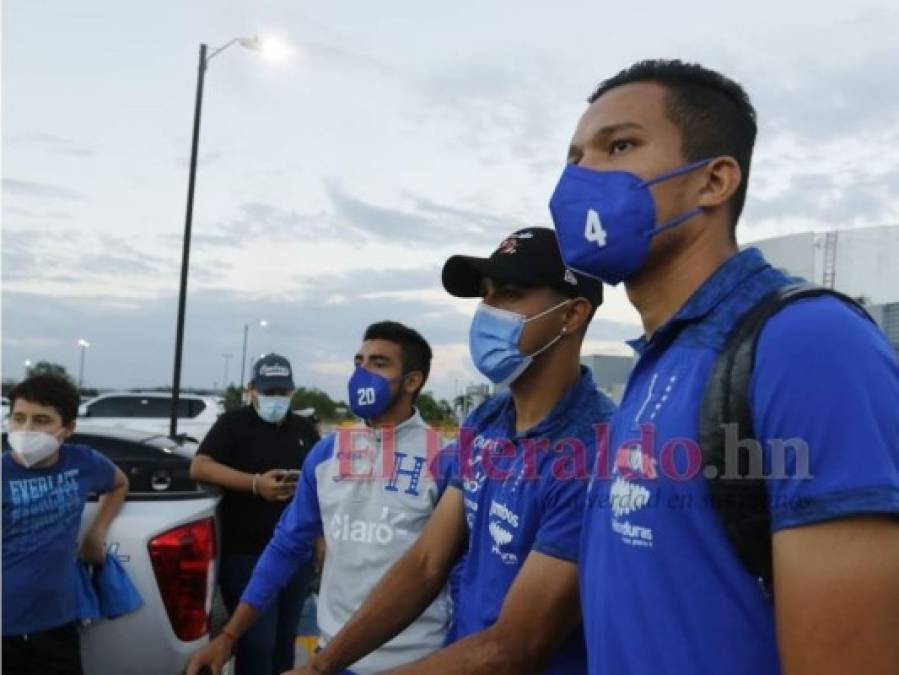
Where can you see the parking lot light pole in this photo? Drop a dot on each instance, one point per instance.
(227, 358)
(243, 359)
(84, 344)
(250, 43)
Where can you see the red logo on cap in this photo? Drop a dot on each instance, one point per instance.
(508, 246)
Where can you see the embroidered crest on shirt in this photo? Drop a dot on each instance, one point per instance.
(502, 521)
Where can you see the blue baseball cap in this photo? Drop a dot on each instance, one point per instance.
(272, 371)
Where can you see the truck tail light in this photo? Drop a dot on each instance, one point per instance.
(184, 564)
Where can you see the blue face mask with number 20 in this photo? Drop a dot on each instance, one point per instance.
(605, 220)
(369, 393)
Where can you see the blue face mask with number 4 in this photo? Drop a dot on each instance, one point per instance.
(605, 220)
(369, 393)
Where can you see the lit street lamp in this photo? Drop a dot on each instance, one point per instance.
(84, 344)
(243, 359)
(268, 49)
(27, 366)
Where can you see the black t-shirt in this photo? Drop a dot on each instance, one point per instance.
(244, 441)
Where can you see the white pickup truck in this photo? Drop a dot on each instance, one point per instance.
(166, 538)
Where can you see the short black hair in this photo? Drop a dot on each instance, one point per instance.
(54, 391)
(713, 113)
(415, 350)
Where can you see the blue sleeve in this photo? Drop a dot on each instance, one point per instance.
(445, 468)
(826, 386)
(563, 501)
(293, 540)
(99, 471)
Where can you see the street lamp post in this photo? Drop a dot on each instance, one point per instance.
(227, 358)
(27, 366)
(84, 344)
(243, 359)
(250, 43)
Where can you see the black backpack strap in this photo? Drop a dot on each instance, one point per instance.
(731, 457)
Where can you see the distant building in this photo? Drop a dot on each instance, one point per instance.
(475, 395)
(609, 372)
(887, 317)
(862, 263)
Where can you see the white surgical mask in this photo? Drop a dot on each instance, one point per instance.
(33, 447)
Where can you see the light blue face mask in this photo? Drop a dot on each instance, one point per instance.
(272, 408)
(493, 342)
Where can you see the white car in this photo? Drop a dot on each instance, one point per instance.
(150, 412)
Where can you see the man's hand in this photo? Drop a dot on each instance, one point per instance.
(93, 547)
(213, 656)
(272, 488)
(93, 544)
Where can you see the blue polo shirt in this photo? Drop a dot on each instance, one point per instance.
(522, 493)
(662, 589)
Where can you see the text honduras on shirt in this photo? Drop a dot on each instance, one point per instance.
(508, 518)
(662, 590)
(41, 517)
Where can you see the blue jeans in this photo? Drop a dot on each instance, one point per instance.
(268, 648)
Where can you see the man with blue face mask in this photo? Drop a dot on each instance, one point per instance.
(254, 454)
(656, 179)
(366, 490)
(509, 522)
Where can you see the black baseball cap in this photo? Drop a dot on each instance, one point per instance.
(272, 371)
(527, 257)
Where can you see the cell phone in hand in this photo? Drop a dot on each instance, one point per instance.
(291, 476)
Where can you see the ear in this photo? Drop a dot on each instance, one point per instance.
(68, 430)
(413, 381)
(722, 178)
(576, 315)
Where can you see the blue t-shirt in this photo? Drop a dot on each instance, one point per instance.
(526, 497)
(41, 517)
(662, 589)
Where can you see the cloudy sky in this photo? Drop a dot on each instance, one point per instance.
(334, 183)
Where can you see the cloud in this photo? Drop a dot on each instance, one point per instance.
(822, 100)
(821, 199)
(262, 219)
(360, 282)
(132, 338)
(423, 220)
(53, 144)
(27, 188)
(132, 343)
(378, 222)
(69, 259)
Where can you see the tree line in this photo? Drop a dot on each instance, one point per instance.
(435, 411)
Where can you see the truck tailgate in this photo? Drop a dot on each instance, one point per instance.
(145, 642)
